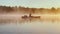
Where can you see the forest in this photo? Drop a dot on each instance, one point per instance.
(8, 9)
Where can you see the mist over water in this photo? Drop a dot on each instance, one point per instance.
(14, 24)
(25, 20)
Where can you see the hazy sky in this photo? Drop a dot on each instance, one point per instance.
(31, 3)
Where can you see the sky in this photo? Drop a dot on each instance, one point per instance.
(31, 3)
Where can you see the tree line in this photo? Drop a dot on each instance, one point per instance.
(8, 9)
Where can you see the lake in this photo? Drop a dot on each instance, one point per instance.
(30, 28)
(45, 25)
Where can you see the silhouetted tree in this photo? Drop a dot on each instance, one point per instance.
(6, 9)
(41, 10)
(33, 10)
(53, 10)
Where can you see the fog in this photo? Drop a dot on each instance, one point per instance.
(14, 24)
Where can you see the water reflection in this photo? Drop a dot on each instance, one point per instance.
(29, 20)
(30, 26)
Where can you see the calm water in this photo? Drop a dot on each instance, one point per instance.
(30, 28)
(35, 26)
